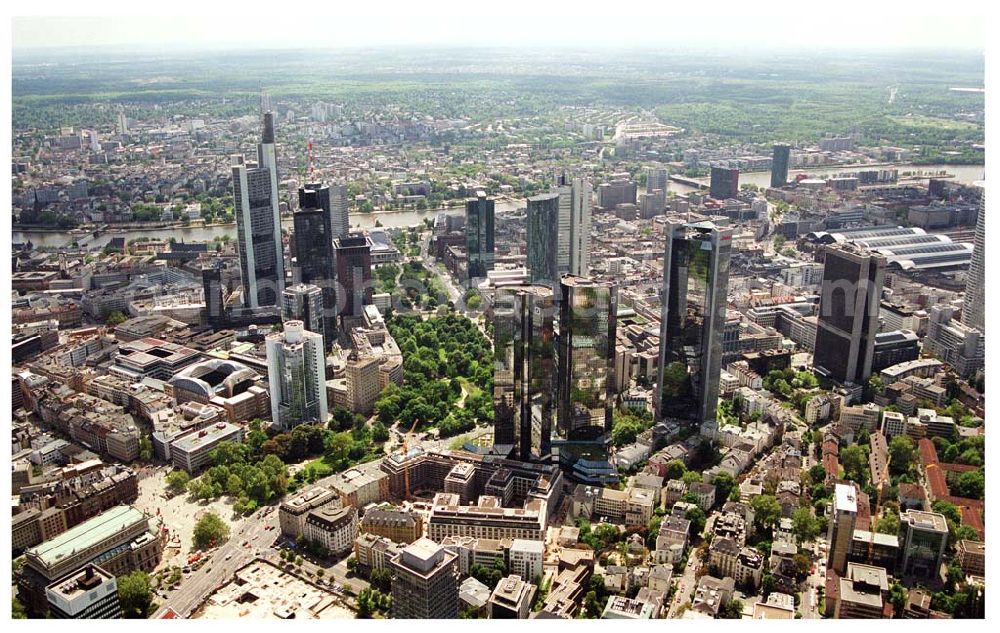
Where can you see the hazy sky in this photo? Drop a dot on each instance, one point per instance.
(842, 24)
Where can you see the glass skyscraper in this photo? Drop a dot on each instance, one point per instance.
(779, 165)
(692, 320)
(479, 215)
(586, 378)
(525, 370)
(543, 239)
(313, 244)
(258, 223)
(296, 376)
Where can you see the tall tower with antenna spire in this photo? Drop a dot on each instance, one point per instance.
(258, 222)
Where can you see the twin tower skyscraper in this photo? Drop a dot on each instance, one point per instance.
(555, 339)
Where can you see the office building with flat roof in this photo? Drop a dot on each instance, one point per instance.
(354, 273)
(543, 239)
(840, 529)
(479, 235)
(692, 320)
(585, 382)
(424, 582)
(296, 373)
(511, 599)
(848, 313)
(781, 153)
(923, 537)
(524, 370)
(192, 452)
(120, 540)
(87, 594)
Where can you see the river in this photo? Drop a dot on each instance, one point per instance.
(57, 239)
(47, 239)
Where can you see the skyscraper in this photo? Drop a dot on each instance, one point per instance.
(586, 377)
(724, 183)
(215, 306)
(354, 272)
(330, 198)
(692, 320)
(543, 239)
(657, 178)
(974, 304)
(581, 194)
(779, 164)
(304, 302)
(314, 260)
(258, 223)
(524, 370)
(848, 313)
(424, 582)
(840, 529)
(296, 376)
(479, 214)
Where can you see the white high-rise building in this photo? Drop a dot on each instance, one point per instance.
(339, 219)
(296, 375)
(258, 223)
(573, 244)
(974, 305)
(657, 178)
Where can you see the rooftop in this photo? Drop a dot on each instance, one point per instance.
(87, 534)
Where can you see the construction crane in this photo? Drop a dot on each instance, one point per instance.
(406, 460)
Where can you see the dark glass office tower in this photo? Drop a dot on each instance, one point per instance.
(258, 223)
(479, 215)
(724, 183)
(215, 306)
(585, 385)
(314, 259)
(525, 370)
(354, 272)
(332, 199)
(692, 320)
(779, 165)
(543, 239)
(848, 313)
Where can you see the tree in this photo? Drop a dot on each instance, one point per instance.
(855, 463)
(697, 518)
(18, 612)
(115, 318)
(767, 511)
(902, 453)
(768, 585)
(135, 594)
(381, 580)
(724, 485)
(177, 481)
(971, 485)
(888, 524)
(897, 596)
(145, 448)
(817, 473)
(732, 610)
(805, 526)
(210, 528)
(675, 469)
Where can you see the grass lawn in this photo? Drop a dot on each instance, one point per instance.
(318, 468)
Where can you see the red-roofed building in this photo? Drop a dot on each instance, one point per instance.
(972, 518)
